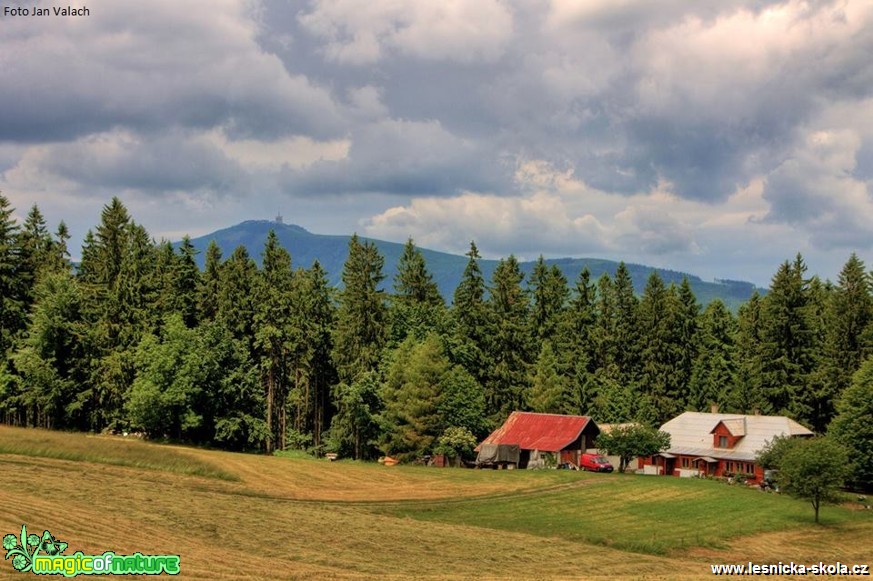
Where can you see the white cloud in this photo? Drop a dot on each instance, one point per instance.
(815, 190)
(364, 32)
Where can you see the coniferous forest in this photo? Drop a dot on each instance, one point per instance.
(137, 338)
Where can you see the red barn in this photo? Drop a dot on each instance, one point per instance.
(565, 437)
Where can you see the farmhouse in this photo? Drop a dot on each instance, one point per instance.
(564, 437)
(714, 444)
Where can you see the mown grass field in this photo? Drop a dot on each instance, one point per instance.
(237, 516)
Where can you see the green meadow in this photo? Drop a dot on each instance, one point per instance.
(243, 516)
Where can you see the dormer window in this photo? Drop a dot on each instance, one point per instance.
(722, 441)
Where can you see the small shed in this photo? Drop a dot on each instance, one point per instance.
(564, 437)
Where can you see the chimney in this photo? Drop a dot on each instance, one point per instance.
(714, 408)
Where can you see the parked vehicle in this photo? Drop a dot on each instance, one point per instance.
(595, 463)
(769, 480)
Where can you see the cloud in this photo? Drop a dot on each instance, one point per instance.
(720, 136)
(148, 68)
(399, 157)
(362, 33)
(815, 190)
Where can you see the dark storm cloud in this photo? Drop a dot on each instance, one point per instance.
(400, 157)
(150, 68)
(644, 104)
(168, 163)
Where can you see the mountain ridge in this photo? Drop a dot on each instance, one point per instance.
(331, 251)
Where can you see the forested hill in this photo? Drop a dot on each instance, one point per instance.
(331, 251)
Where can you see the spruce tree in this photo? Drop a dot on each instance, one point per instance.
(509, 346)
(361, 329)
(51, 359)
(626, 327)
(576, 346)
(748, 395)
(417, 307)
(548, 391)
(787, 341)
(849, 314)
(186, 279)
(61, 254)
(852, 426)
(470, 318)
(314, 371)
(814, 404)
(235, 293)
(35, 254)
(713, 376)
(549, 294)
(412, 395)
(660, 371)
(275, 336)
(210, 284)
(12, 307)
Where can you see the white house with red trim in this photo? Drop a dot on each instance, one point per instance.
(715, 444)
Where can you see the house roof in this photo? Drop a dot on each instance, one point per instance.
(691, 434)
(546, 432)
(737, 427)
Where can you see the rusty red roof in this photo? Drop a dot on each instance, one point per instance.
(546, 432)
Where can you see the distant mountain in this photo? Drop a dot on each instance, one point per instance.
(331, 251)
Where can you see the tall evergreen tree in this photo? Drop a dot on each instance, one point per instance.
(576, 347)
(713, 376)
(849, 314)
(61, 255)
(51, 359)
(186, 279)
(210, 284)
(470, 317)
(660, 373)
(548, 391)
(549, 291)
(12, 307)
(276, 336)
(852, 426)
(603, 337)
(136, 289)
(814, 404)
(626, 327)
(509, 348)
(787, 357)
(748, 395)
(354, 429)
(688, 324)
(235, 303)
(314, 372)
(361, 327)
(417, 306)
(411, 395)
(35, 254)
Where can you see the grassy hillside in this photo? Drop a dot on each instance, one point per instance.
(331, 252)
(281, 518)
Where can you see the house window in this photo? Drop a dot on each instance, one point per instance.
(722, 442)
(685, 462)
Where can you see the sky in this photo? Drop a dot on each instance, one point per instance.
(715, 137)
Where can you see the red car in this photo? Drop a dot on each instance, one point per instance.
(595, 463)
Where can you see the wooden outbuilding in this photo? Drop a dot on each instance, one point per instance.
(563, 437)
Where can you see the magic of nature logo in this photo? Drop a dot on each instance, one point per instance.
(44, 556)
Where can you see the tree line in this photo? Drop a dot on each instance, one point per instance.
(270, 356)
